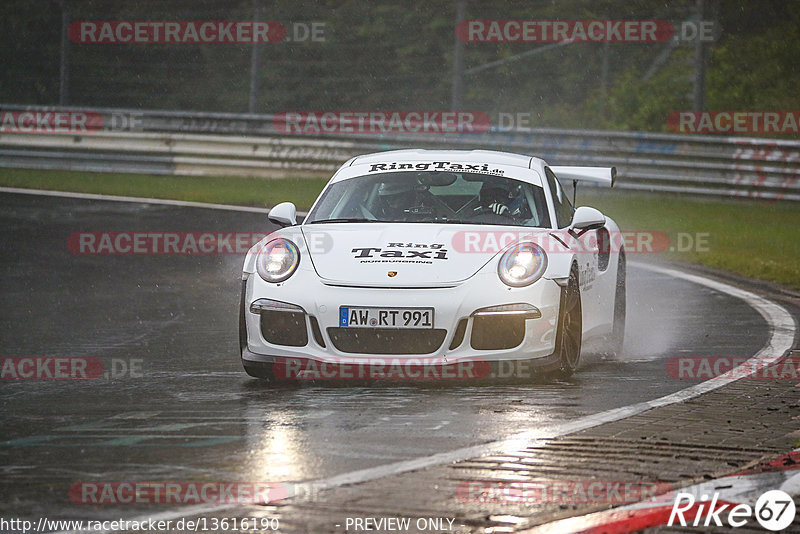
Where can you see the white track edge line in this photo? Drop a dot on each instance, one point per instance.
(782, 334)
(137, 200)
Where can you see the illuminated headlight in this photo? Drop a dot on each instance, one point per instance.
(522, 265)
(277, 260)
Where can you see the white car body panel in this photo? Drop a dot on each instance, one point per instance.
(373, 241)
(455, 283)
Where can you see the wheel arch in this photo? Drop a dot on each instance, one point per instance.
(559, 267)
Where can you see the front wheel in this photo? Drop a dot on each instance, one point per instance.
(570, 327)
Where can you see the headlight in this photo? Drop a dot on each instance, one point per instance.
(277, 260)
(522, 265)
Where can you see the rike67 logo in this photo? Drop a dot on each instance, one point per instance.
(774, 510)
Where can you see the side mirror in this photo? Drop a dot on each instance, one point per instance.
(586, 218)
(284, 214)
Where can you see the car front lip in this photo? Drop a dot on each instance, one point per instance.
(300, 368)
(306, 292)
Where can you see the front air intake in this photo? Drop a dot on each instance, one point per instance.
(386, 340)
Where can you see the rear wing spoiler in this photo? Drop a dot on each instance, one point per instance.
(604, 176)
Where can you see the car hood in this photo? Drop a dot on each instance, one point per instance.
(404, 255)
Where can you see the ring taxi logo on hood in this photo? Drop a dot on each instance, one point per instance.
(408, 251)
(436, 166)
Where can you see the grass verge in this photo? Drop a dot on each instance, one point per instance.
(260, 192)
(756, 238)
(759, 239)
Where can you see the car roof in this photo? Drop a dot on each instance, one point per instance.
(456, 156)
(517, 166)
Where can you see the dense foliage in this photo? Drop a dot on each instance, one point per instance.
(399, 55)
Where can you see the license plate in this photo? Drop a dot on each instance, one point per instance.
(377, 317)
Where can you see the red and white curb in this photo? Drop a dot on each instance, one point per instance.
(711, 499)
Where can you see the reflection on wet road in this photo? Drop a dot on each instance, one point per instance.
(190, 413)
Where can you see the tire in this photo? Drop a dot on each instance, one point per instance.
(618, 330)
(569, 333)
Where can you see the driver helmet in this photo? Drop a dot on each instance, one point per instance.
(395, 188)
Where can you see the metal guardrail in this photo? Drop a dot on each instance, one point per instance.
(192, 143)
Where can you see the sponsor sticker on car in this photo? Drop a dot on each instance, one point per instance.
(378, 317)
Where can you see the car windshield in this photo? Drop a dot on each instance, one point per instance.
(433, 197)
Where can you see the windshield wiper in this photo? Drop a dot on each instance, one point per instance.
(344, 220)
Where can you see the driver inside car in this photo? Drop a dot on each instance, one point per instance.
(502, 201)
(397, 198)
(493, 199)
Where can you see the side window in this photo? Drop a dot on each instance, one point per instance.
(563, 207)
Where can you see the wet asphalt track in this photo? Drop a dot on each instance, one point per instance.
(194, 415)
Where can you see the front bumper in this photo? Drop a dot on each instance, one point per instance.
(311, 329)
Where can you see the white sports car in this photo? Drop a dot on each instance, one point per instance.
(436, 256)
